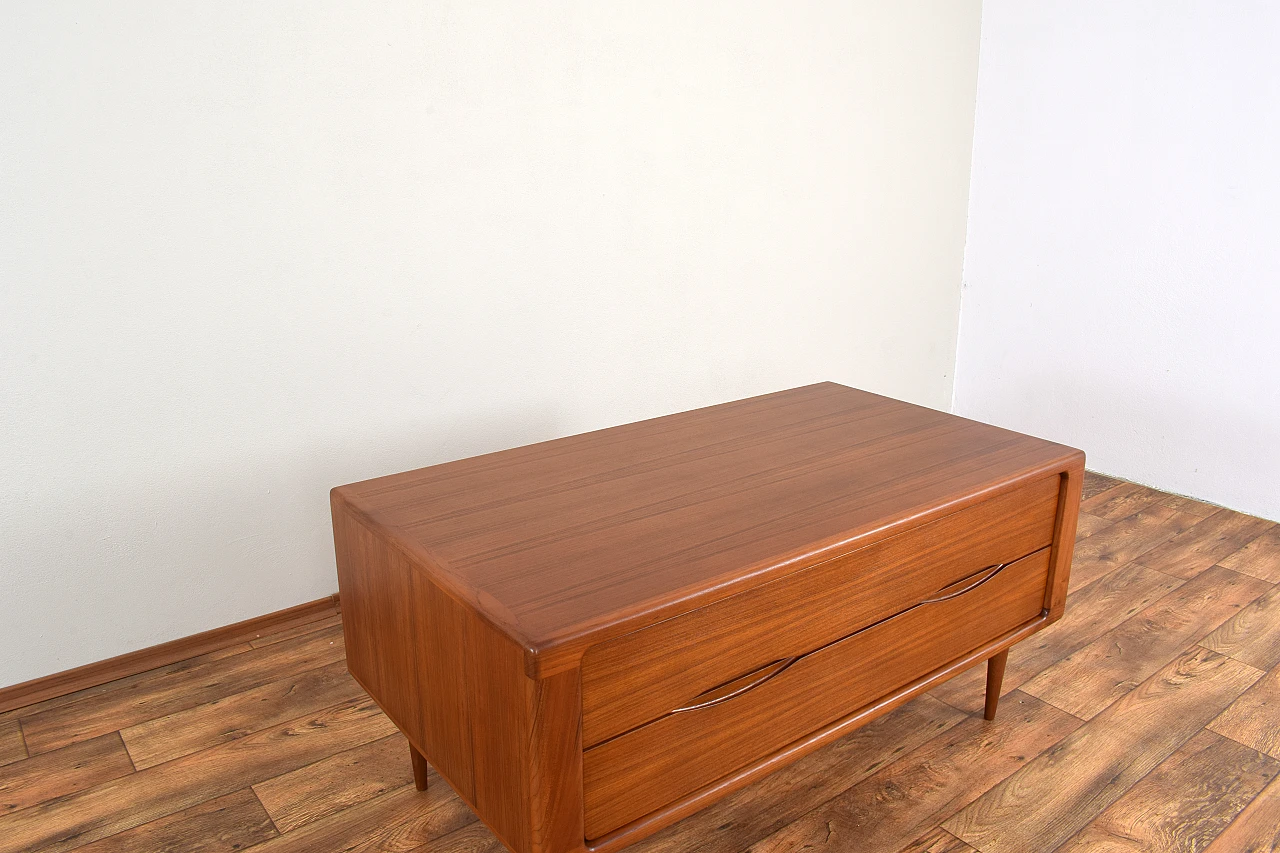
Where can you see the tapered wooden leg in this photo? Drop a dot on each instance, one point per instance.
(420, 768)
(995, 675)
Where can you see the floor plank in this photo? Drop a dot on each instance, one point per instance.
(1091, 612)
(1062, 790)
(1256, 830)
(938, 840)
(1125, 541)
(1088, 680)
(1095, 483)
(1254, 719)
(177, 690)
(28, 783)
(223, 825)
(146, 678)
(744, 817)
(1199, 547)
(1120, 501)
(12, 746)
(886, 811)
(1191, 505)
(403, 819)
(296, 631)
(1260, 558)
(239, 714)
(340, 781)
(1087, 525)
(1182, 804)
(1252, 636)
(159, 791)
(472, 838)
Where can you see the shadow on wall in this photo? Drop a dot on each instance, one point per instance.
(1172, 441)
(364, 456)
(211, 544)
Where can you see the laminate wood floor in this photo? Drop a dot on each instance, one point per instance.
(1148, 719)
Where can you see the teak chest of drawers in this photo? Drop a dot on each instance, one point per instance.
(593, 637)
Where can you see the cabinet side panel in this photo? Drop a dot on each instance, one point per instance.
(405, 644)
(445, 676)
(377, 620)
(457, 687)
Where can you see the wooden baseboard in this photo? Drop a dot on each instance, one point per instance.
(132, 663)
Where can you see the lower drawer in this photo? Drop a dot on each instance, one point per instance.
(737, 724)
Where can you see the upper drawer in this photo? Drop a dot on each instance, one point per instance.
(638, 677)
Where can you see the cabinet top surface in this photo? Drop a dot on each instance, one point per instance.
(560, 541)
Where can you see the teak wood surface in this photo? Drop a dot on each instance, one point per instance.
(563, 544)
(260, 751)
(851, 550)
(640, 772)
(804, 610)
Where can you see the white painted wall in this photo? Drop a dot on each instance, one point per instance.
(1122, 273)
(249, 251)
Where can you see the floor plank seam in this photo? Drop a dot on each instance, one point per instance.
(957, 708)
(1064, 710)
(1209, 728)
(1179, 578)
(126, 823)
(253, 790)
(356, 694)
(1200, 644)
(124, 746)
(250, 685)
(1136, 561)
(22, 738)
(325, 757)
(282, 724)
(1251, 541)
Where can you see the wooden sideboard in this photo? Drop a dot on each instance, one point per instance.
(593, 637)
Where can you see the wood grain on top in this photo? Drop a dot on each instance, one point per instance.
(593, 534)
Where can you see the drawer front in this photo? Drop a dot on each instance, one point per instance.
(657, 764)
(641, 676)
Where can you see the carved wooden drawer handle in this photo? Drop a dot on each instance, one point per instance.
(981, 578)
(752, 680)
(737, 687)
